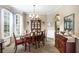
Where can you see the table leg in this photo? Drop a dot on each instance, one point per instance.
(1, 47)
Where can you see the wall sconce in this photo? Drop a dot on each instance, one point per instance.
(57, 22)
(27, 22)
(43, 22)
(57, 17)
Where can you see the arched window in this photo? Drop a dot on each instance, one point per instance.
(6, 23)
(18, 24)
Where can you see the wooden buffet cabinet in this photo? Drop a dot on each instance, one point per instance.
(64, 44)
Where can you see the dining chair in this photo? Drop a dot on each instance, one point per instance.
(17, 42)
(39, 38)
(27, 41)
(34, 39)
(43, 37)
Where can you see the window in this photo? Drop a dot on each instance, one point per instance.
(50, 31)
(18, 24)
(6, 20)
(8, 25)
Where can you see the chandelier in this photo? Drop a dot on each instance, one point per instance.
(34, 15)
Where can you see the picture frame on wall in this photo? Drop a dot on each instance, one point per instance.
(69, 22)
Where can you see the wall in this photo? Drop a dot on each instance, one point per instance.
(24, 22)
(67, 10)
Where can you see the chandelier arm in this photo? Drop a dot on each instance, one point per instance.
(34, 13)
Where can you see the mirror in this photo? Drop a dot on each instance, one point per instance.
(69, 23)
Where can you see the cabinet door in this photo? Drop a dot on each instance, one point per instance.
(70, 47)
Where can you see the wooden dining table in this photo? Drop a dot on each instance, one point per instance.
(29, 39)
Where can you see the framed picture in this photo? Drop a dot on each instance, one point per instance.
(69, 22)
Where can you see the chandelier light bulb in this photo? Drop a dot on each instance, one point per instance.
(33, 15)
(30, 15)
(37, 16)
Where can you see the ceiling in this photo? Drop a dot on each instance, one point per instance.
(39, 9)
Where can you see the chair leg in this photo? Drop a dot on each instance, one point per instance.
(15, 49)
(25, 46)
(38, 44)
(43, 42)
(35, 45)
(29, 47)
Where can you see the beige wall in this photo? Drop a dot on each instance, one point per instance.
(24, 22)
(67, 10)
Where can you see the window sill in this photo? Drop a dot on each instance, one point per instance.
(7, 37)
